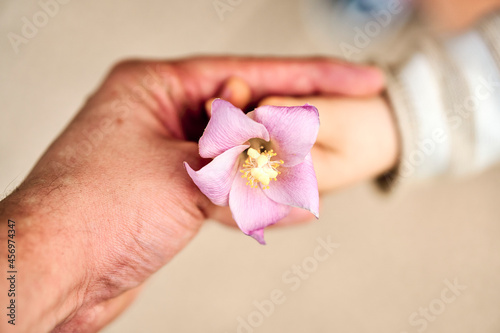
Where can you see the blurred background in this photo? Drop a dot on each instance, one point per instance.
(422, 259)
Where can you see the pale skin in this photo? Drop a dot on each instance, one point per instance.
(349, 125)
(457, 15)
(366, 124)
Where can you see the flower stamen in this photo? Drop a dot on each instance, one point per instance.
(258, 168)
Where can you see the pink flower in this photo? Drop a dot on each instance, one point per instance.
(261, 163)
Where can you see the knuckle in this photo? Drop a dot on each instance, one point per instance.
(126, 65)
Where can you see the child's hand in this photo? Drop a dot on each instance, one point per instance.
(357, 138)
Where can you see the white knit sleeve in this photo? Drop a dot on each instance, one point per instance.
(446, 100)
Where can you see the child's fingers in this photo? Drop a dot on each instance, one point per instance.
(357, 139)
(334, 171)
(236, 91)
(328, 114)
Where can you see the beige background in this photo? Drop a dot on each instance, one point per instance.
(394, 252)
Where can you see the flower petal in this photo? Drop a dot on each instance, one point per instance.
(293, 130)
(296, 186)
(215, 179)
(253, 210)
(228, 127)
(258, 235)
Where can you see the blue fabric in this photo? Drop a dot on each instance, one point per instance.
(365, 6)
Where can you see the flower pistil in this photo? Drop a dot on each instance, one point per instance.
(259, 168)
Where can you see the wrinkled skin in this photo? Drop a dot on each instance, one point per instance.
(109, 203)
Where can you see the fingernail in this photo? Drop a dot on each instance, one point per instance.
(208, 106)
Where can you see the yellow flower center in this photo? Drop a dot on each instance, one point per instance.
(258, 168)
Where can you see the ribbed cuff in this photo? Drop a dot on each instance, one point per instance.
(397, 97)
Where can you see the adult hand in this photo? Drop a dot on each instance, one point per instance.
(110, 202)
